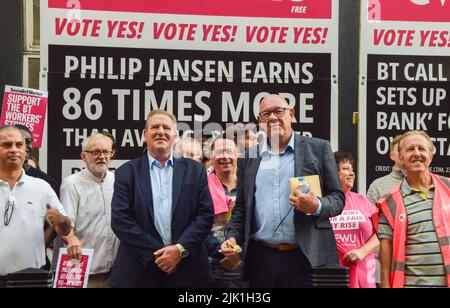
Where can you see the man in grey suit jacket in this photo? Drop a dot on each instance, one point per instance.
(284, 235)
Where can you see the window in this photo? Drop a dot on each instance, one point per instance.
(31, 25)
(31, 46)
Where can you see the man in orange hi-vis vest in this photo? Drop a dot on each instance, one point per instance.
(414, 225)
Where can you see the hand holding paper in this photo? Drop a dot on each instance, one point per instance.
(305, 202)
(74, 246)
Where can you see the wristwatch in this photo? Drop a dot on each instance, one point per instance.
(182, 252)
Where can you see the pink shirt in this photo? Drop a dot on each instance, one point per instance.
(352, 229)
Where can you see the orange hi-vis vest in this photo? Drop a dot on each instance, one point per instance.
(394, 209)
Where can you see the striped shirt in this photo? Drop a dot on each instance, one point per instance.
(424, 265)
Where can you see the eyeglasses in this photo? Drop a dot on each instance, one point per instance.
(9, 210)
(279, 112)
(99, 152)
(230, 152)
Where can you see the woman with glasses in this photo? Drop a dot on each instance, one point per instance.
(355, 235)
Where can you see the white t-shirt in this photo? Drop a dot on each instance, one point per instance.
(22, 242)
(87, 201)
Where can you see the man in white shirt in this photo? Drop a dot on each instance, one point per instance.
(86, 197)
(25, 204)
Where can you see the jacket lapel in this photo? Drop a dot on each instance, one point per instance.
(146, 185)
(178, 175)
(252, 171)
(299, 155)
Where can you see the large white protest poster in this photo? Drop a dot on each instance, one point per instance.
(106, 64)
(404, 84)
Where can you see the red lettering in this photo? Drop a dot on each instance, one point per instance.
(172, 31)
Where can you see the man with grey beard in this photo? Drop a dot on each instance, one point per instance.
(86, 196)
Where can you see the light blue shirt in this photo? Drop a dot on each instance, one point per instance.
(272, 196)
(161, 179)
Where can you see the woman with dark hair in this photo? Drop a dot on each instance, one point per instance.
(354, 231)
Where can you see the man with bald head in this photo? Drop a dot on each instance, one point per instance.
(280, 252)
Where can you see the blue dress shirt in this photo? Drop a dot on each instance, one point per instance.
(161, 179)
(272, 196)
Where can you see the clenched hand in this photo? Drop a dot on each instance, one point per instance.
(167, 259)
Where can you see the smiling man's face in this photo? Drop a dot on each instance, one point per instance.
(415, 155)
(159, 134)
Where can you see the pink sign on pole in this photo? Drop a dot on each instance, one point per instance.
(26, 107)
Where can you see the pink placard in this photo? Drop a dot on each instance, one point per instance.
(317, 9)
(410, 10)
(26, 107)
(70, 273)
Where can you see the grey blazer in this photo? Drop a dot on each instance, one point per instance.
(314, 234)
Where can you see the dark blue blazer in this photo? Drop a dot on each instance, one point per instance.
(132, 220)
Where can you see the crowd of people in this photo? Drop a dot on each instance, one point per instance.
(176, 217)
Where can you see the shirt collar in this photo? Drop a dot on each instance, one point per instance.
(265, 148)
(397, 173)
(92, 177)
(153, 162)
(407, 190)
(22, 179)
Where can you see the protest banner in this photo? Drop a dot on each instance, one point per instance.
(25, 107)
(106, 64)
(405, 71)
(72, 273)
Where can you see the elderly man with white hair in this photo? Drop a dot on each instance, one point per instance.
(414, 226)
(87, 196)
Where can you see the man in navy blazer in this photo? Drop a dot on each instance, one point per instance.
(284, 235)
(162, 213)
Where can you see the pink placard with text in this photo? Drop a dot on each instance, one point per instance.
(26, 107)
(71, 273)
(409, 10)
(318, 9)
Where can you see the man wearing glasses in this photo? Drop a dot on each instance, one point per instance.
(86, 197)
(25, 204)
(284, 235)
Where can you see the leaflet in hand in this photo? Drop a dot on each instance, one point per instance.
(312, 181)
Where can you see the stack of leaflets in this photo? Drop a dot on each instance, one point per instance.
(330, 276)
(30, 278)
